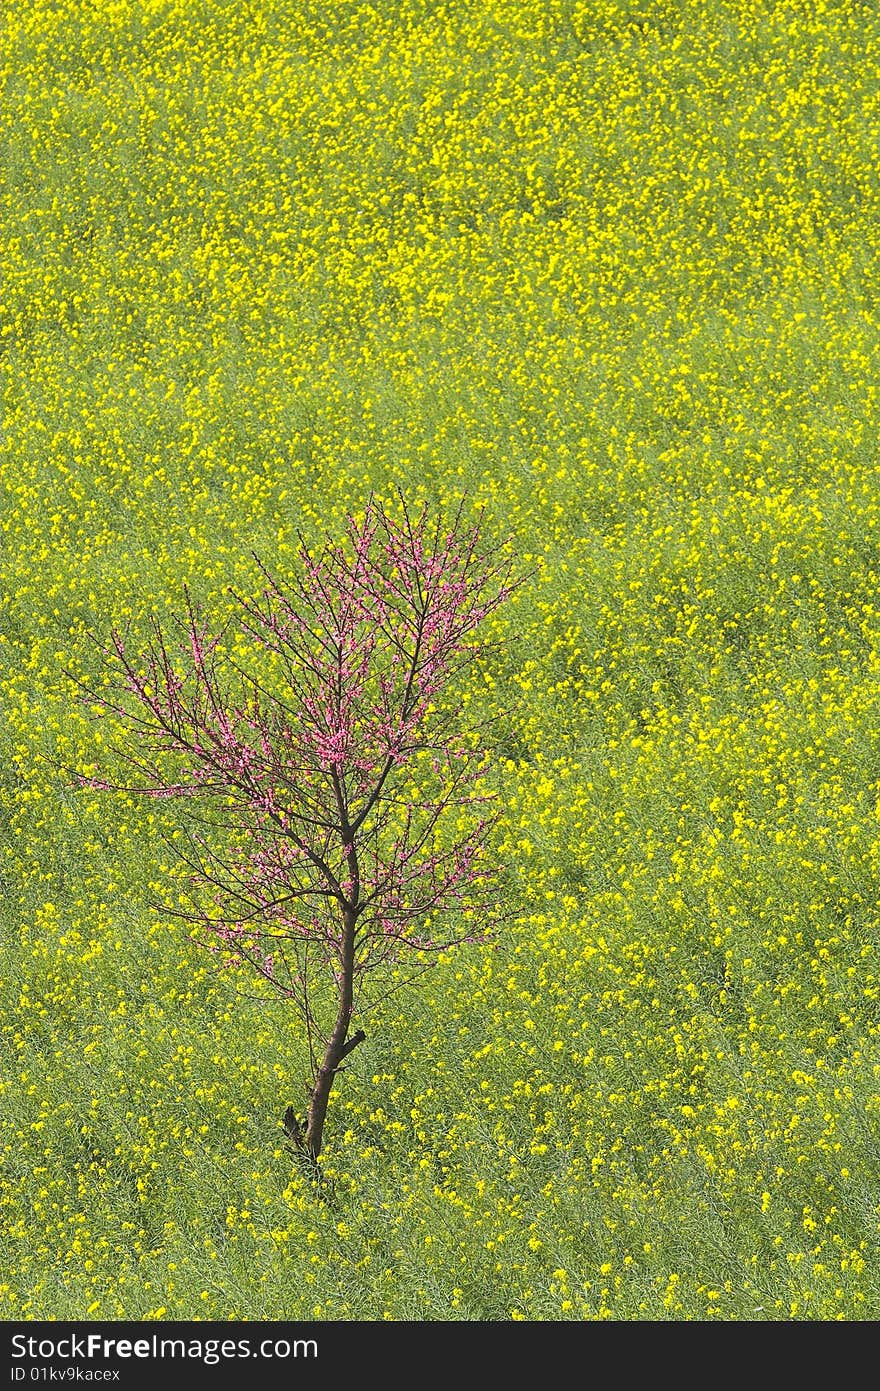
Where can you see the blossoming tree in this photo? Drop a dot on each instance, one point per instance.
(342, 823)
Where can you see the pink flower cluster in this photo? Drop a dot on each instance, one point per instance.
(313, 854)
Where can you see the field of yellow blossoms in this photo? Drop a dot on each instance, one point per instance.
(611, 268)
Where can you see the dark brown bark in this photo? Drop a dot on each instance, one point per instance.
(338, 1044)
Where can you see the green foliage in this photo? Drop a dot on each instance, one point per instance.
(614, 272)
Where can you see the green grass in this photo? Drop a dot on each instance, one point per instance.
(611, 271)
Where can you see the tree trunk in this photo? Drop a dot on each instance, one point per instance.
(337, 1048)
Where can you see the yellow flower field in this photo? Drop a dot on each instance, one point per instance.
(611, 269)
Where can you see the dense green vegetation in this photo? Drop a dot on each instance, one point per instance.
(611, 269)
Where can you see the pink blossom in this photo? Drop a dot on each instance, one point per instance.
(315, 863)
